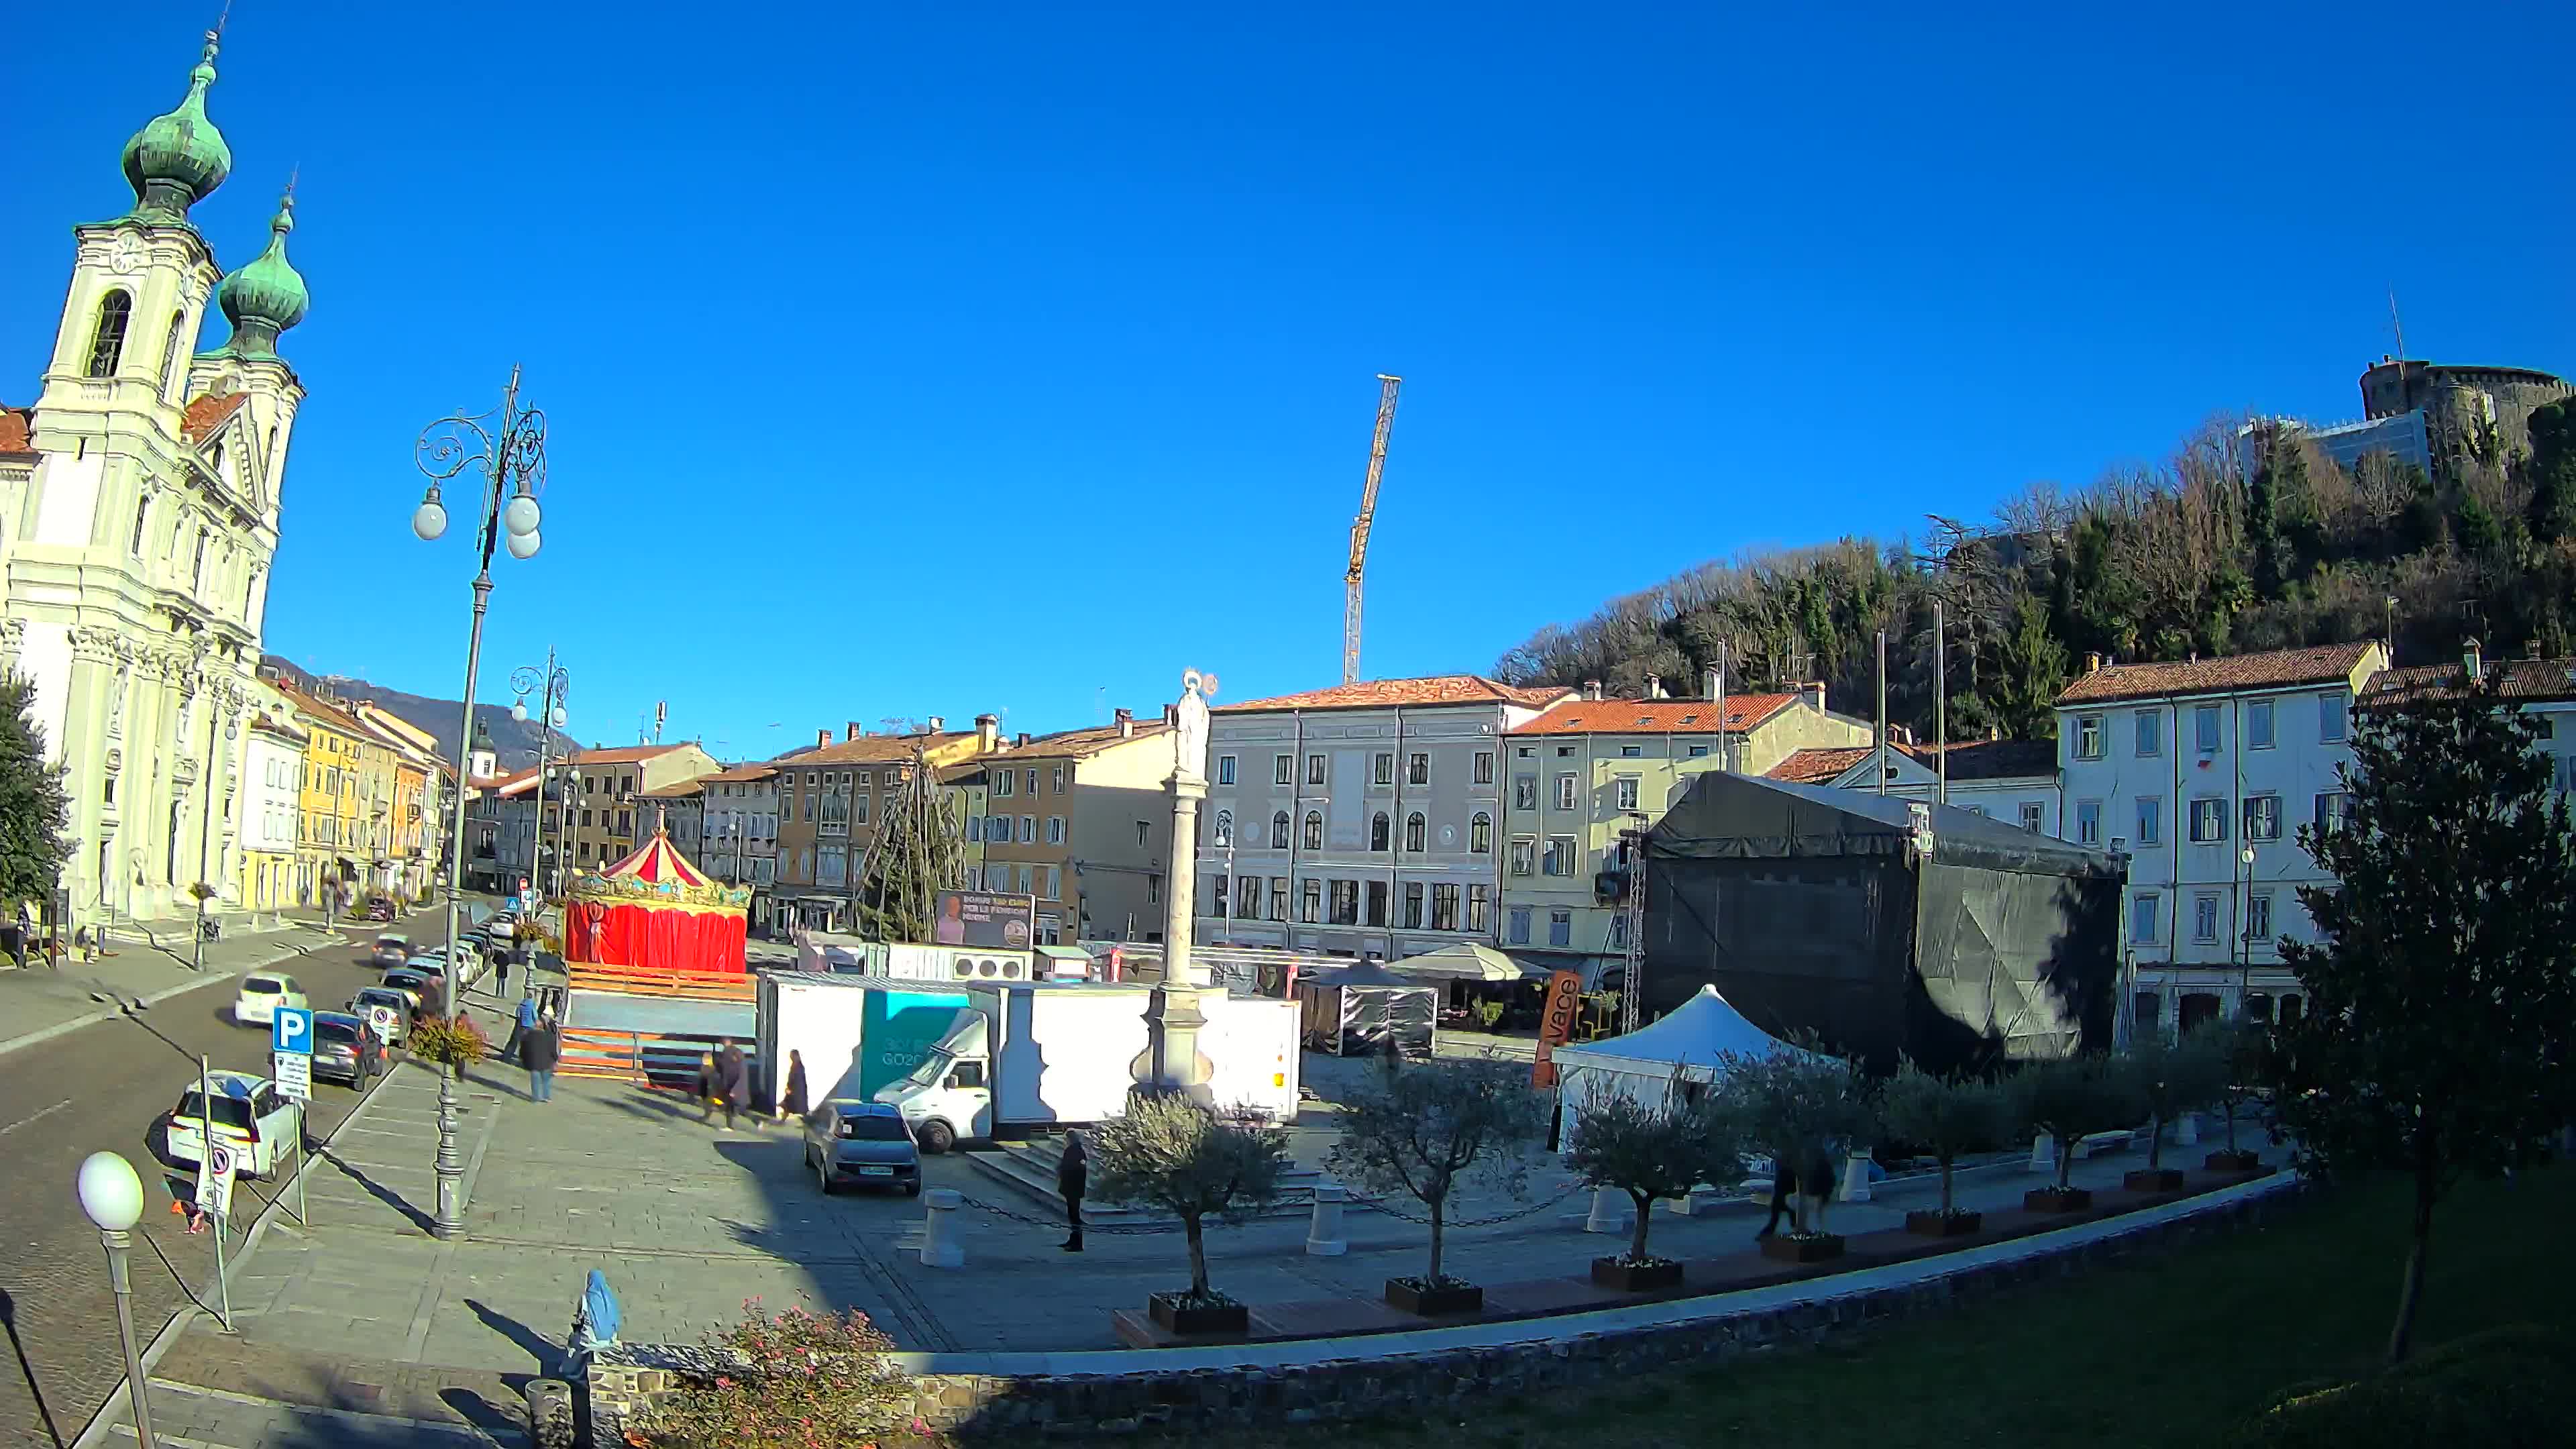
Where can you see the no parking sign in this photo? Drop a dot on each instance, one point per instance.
(215, 1168)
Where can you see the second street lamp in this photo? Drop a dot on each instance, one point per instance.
(507, 449)
(550, 686)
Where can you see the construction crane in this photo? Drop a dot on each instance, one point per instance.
(1360, 530)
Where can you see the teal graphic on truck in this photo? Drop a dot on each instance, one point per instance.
(857, 1034)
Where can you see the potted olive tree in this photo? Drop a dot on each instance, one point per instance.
(1945, 1117)
(1171, 1154)
(1422, 1131)
(1806, 1109)
(2070, 1099)
(1658, 1146)
(2237, 1050)
(2172, 1077)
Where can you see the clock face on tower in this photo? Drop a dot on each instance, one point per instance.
(126, 257)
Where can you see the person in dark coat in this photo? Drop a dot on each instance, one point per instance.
(1072, 1178)
(733, 1082)
(791, 1103)
(707, 1087)
(538, 1050)
(1783, 1182)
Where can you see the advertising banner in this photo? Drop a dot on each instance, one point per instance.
(985, 918)
(1556, 1024)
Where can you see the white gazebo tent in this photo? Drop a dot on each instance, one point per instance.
(1692, 1040)
(1465, 961)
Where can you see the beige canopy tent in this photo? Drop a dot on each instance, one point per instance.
(1465, 961)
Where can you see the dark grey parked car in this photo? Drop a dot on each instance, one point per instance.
(861, 1142)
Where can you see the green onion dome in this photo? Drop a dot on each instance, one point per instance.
(177, 159)
(267, 296)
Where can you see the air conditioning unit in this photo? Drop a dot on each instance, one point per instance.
(988, 966)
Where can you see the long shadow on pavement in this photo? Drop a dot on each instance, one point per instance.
(35, 1390)
(379, 1191)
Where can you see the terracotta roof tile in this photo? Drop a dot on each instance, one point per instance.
(205, 414)
(1817, 767)
(17, 426)
(2279, 668)
(622, 755)
(679, 791)
(760, 771)
(1387, 693)
(1654, 716)
(2529, 679)
(1080, 744)
(876, 749)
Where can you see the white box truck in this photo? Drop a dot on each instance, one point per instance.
(1051, 1054)
(855, 1033)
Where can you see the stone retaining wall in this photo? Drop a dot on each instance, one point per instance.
(1412, 1383)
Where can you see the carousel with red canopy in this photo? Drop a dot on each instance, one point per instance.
(654, 911)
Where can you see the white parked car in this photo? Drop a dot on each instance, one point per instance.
(262, 1128)
(262, 993)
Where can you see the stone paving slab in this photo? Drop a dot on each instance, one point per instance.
(689, 1220)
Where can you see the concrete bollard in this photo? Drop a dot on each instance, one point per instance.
(1856, 1176)
(550, 1417)
(1610, 1211)
(2187, 1130)
(2043, 1153)
(939, 1246)
(1324, 1231)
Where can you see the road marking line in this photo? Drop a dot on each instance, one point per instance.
(38, 1117)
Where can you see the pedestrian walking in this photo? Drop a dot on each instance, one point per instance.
(183, 1200)
(1072, 1178)
(523, 1022)
(1783, 1181)
(538, 1051)
(733, 1082)
(791, 1103)
(707, 1087)
(501, 973)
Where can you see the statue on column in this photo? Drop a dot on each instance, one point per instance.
(1172, 1063)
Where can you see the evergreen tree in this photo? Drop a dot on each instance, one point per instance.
(914, 857)
(33, 808)
(2440, 989)
(2552, 471)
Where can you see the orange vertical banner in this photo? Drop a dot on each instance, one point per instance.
(1556, 1025)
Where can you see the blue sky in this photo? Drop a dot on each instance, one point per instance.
(934, 359)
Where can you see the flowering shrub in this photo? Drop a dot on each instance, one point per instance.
(794, 1378)
(447, 1042)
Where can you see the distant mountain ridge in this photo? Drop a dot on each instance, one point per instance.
(514, 742)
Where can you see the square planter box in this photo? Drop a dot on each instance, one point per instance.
(1173, 1316)
(1803, 1250)
(1612, 1273)
(2050, 1200)
(1943, 1225)
(1431, 1302)
(2232, 1162)
(2153, 1179)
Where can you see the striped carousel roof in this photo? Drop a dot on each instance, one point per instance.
(657, 863)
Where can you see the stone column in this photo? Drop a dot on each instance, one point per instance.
(1324, 1231)
(1180, 897)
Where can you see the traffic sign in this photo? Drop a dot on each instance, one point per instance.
(215, 1169)
(290, 1029)
(295, 1075)
(381, 1020)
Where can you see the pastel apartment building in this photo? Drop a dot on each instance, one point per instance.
(1082, 821)
(1360, 820)
(1582, 772)
(2202, 771)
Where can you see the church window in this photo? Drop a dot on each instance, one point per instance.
(142, 522)
(170, 357)
(197, 573)
(107, 342)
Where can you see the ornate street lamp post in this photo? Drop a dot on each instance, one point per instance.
(550, 685)
(112, 1196)
(507, 448)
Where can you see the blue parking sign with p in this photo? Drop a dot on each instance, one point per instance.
(291, 1030)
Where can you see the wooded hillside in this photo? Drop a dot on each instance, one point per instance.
(2235, 544)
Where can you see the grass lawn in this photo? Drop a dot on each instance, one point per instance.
(2161, 1351)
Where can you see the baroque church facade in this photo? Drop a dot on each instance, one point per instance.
(139, 504)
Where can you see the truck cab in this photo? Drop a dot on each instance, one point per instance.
(950, 1095)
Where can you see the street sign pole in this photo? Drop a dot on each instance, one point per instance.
(291, 1047)
(210, 1196)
